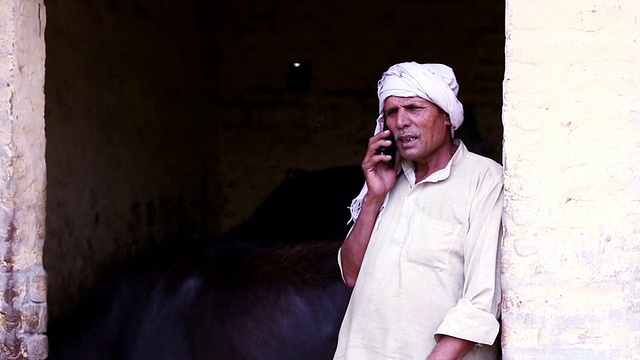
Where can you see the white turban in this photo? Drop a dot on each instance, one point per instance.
(433, 82)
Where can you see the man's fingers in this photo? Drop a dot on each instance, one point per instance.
(374, 160)
(378, 136)
(379, 140)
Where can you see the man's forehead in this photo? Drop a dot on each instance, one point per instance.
(395, 101)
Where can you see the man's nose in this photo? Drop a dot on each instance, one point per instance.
(402, 119)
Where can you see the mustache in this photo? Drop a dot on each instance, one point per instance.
(406, 132)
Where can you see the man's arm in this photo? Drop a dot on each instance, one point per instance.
(474, 317)
(450, 348)
(380, 179)
(356, 243)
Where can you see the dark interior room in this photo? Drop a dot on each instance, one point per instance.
(171, 122)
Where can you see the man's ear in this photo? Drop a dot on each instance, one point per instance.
(447, 119)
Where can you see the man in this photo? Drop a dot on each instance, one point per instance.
(422, 255)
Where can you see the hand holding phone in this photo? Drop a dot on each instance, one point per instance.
(391, 149)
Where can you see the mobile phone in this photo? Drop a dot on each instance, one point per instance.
(391, 149)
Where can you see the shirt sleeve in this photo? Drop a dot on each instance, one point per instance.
(340, 255)
(340, 264)
(474, 317)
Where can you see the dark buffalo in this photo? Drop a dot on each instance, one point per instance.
(307, 205)
(270, 289)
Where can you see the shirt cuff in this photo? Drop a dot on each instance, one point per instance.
(467, 322)
(340, 264)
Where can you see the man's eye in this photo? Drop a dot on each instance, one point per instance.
(391, 112)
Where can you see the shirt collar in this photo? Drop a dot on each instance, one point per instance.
(442, 174)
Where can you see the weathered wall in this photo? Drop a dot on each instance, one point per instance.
(572, 177)
(130, 137)
(267, 129)
(23, 307)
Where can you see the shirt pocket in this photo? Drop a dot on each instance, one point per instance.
(431, 241)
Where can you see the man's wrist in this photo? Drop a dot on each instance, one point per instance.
(373, 200)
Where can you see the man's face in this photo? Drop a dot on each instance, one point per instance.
(420, 127)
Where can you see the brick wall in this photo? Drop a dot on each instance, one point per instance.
(23, 283)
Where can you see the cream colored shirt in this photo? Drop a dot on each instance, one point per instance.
(431, 266)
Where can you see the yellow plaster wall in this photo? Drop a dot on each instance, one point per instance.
(571, 119)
